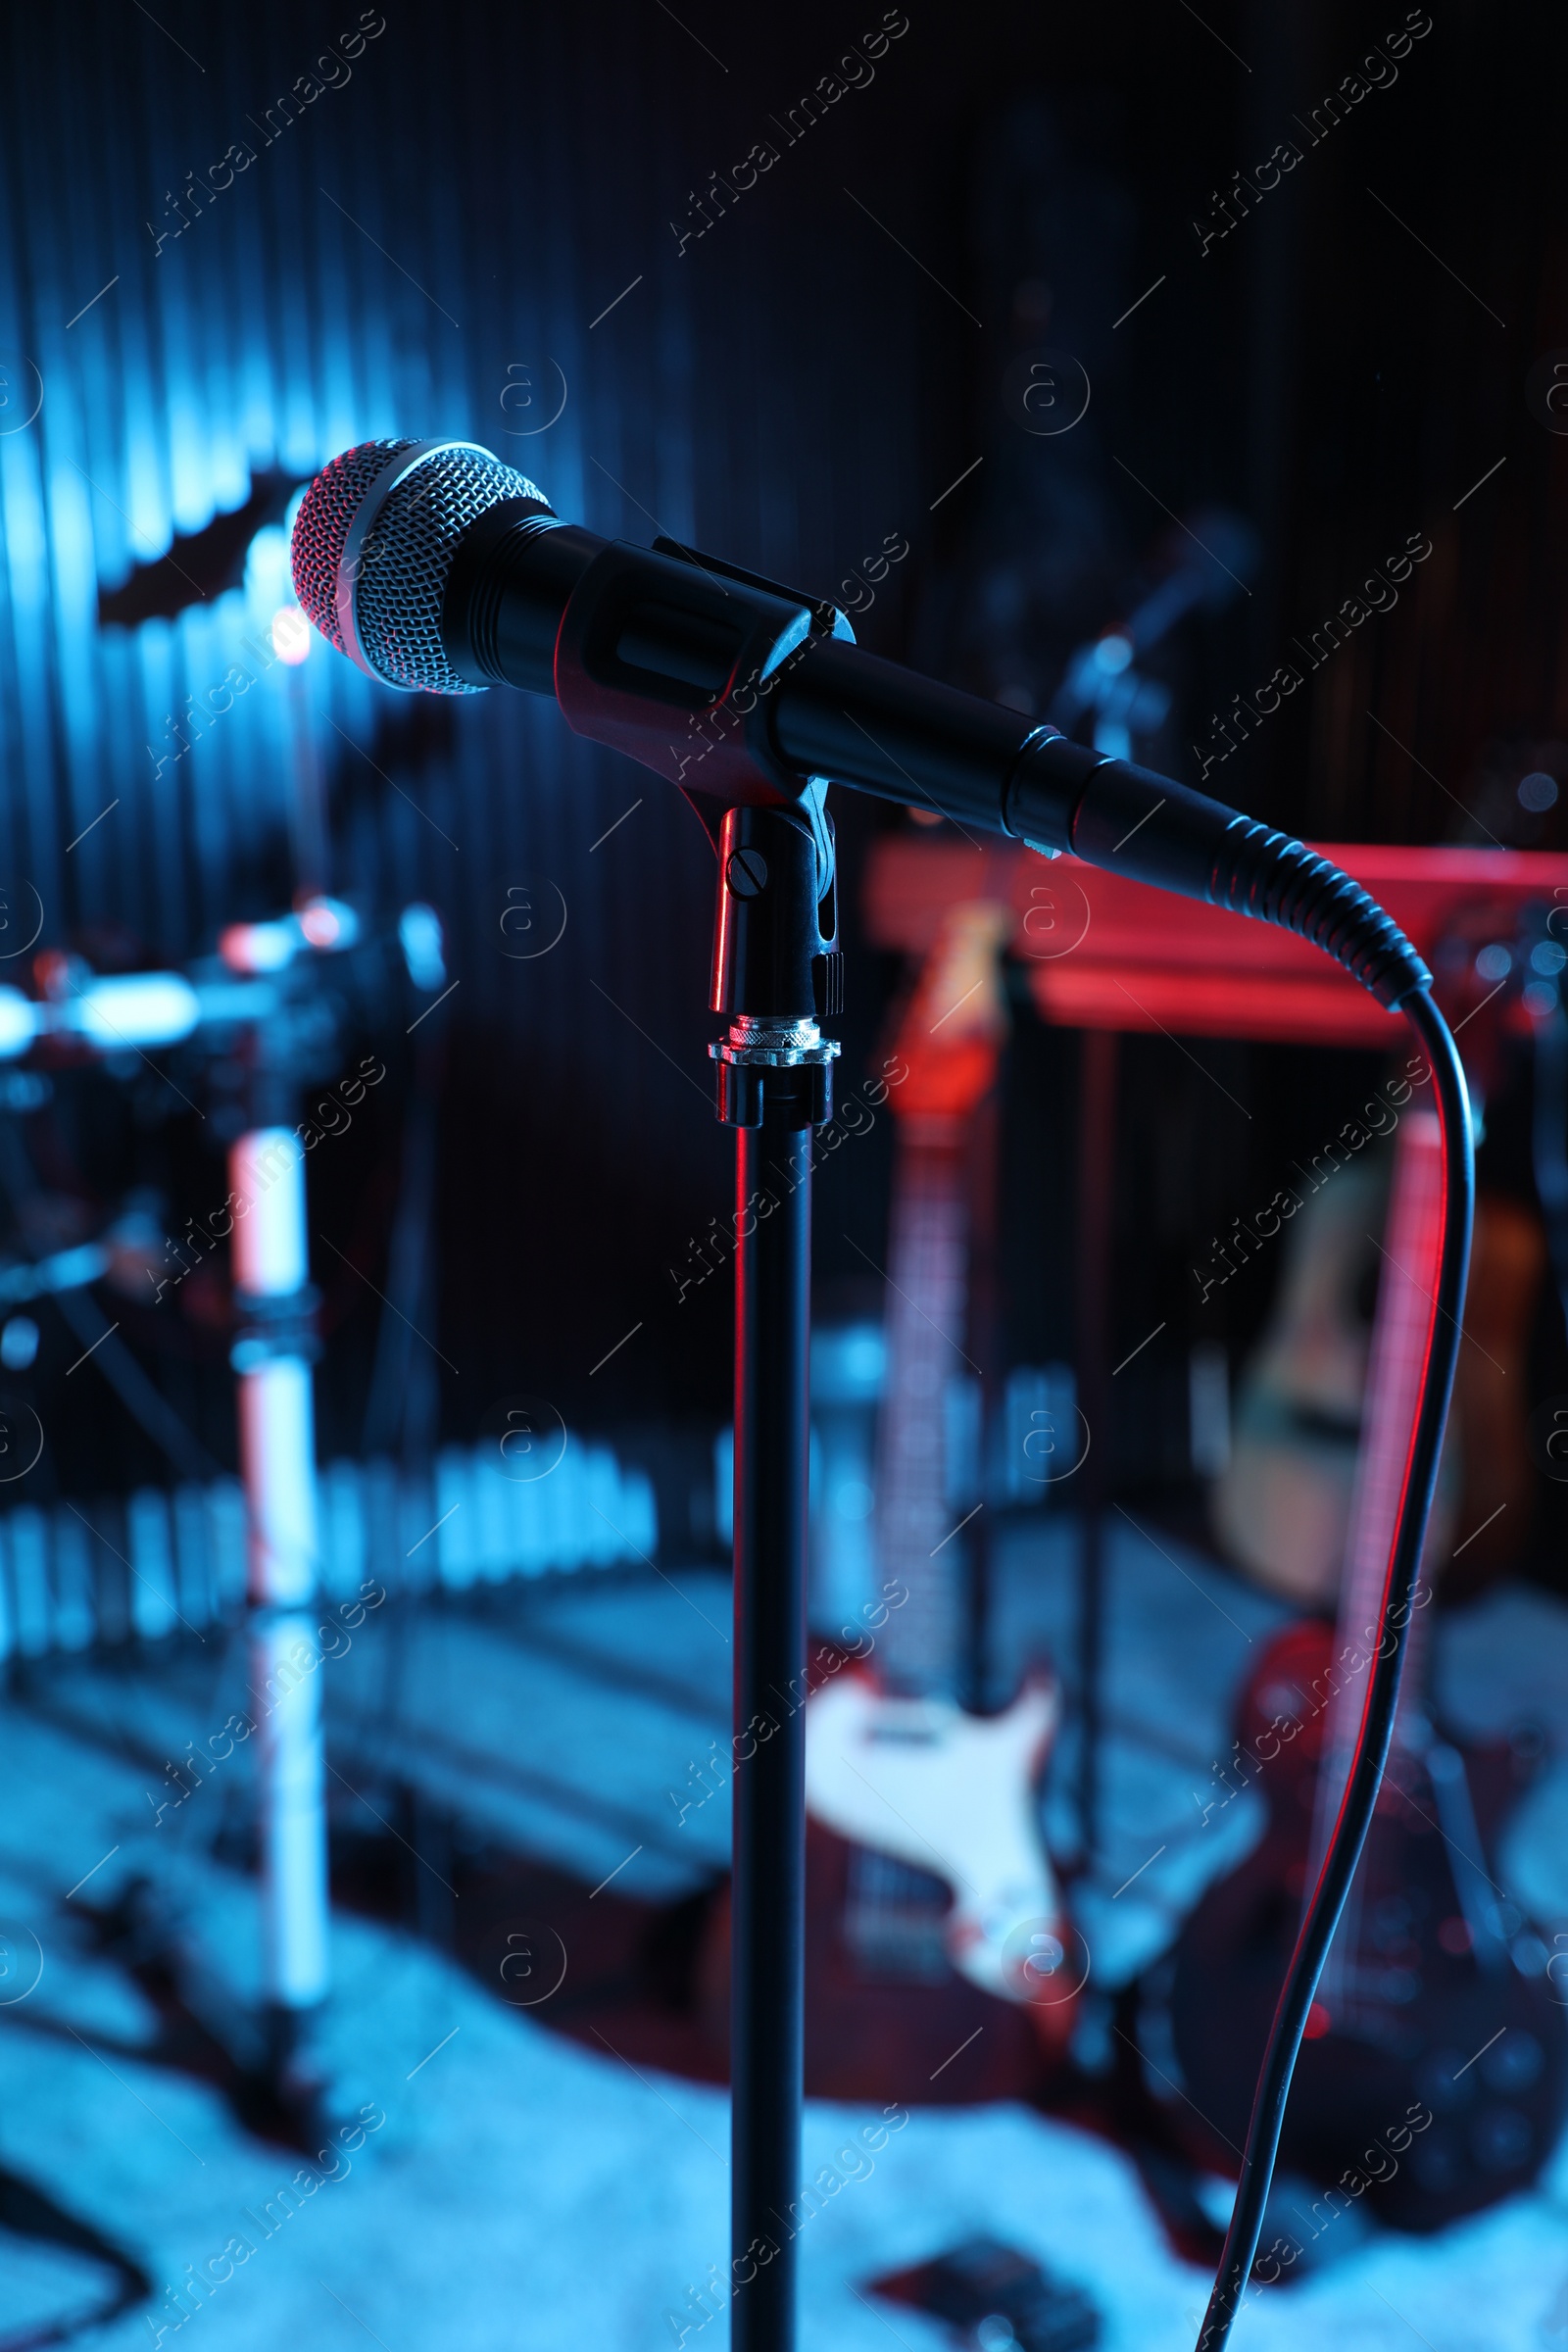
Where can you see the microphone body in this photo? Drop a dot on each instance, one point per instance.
(434, 566)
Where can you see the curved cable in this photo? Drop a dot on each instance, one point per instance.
(1383, 1683)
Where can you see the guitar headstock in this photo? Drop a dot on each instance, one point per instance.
(954, 1026)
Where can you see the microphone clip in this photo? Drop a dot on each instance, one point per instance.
(673, 658)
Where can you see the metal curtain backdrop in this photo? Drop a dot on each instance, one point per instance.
(431, 245)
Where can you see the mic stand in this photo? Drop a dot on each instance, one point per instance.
(774, 1072)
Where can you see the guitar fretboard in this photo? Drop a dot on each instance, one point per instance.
(927, 1293)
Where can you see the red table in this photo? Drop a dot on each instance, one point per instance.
(1106, 953)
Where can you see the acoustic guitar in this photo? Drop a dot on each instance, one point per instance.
(1281, 1508)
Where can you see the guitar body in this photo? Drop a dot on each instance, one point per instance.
(1281, 1508)
(1396, 2030)
(888, 2014)
(883, 2033)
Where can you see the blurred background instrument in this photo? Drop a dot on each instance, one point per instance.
(935, 1870)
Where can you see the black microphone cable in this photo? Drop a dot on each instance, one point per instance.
(1122, 816)
(1383, 1683)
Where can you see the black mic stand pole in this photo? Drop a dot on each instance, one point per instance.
(774, 1088)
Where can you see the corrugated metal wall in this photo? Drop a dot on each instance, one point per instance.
(492, 189)
(447, 223)
(467, 202)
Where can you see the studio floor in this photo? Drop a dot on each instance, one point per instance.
(531, 2193)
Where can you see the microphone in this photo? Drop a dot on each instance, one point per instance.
(435, 566)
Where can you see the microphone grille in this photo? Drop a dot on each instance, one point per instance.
(321, 526)
(404, 552)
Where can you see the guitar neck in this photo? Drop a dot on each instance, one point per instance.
(927, 1306)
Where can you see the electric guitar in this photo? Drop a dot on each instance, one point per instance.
(930, 1894)
(1423, 2009)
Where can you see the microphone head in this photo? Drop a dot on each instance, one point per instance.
(373, 547)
